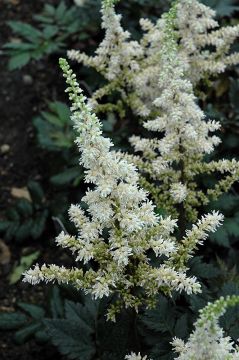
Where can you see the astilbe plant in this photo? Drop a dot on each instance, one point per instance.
(134, 67)
(208, 340)
(156, 78)
(120, 227)
(125, 250)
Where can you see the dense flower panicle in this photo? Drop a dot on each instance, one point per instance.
(198, 29)
(119, 226)
(185, 134)
(135, 67)
(156, 78)
(114, 50)
(117, 204)
(118, 230)
(208, 340)
(195, 237)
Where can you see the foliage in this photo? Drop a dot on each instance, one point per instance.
(26, 219)
(222, 7)
(54, 27)
(55, 134)
(25, 262)
(78, 329)
(28, 321)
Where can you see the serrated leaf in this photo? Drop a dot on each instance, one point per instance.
(203, 270)
(38, 225)
(60, 11)
(19, 60)
(49, 10)
(22, 335)
(70, 339)
(197, 302)
(62, 111)
(18, 47)
(229, 289)
(181, 327)
(43, 131)
(66, 176)
(73, 335)
(79, 313)
(52, 119)
(232, 226)
(41, 336)
(50, 31)
(35, 311)
(226, 202)
(123, 334)
(24, 230)
(24, 207)
(26, 30)
(36, 191)
(12, 321)
(162, 318)
(56, 304)
(221, 237)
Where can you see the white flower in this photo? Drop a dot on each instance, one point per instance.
(119, 225)
(207, 340)
(178, 192)
(33, 276)
(100, 288)
(134, 356)
(80, 2)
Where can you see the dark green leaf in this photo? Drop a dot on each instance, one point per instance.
(12, 321)
(181, 327)
(24, 334)
(50, 31)
(4, 225)
(39, 224)
(162, 318)
(35, 311)
(66, 176)
(24, 207)
(70, 339)
(56, 304)
(25, 30)
(18, 61)
(24, 230)
(36, 191)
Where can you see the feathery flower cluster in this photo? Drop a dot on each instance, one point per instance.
(134, 67)
(198, 30)
(195, 237)
(119, 227)
(155, 77)
(134, 356)
(178, 156)
(208, 340)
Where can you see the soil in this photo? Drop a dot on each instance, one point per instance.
(22, 95)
